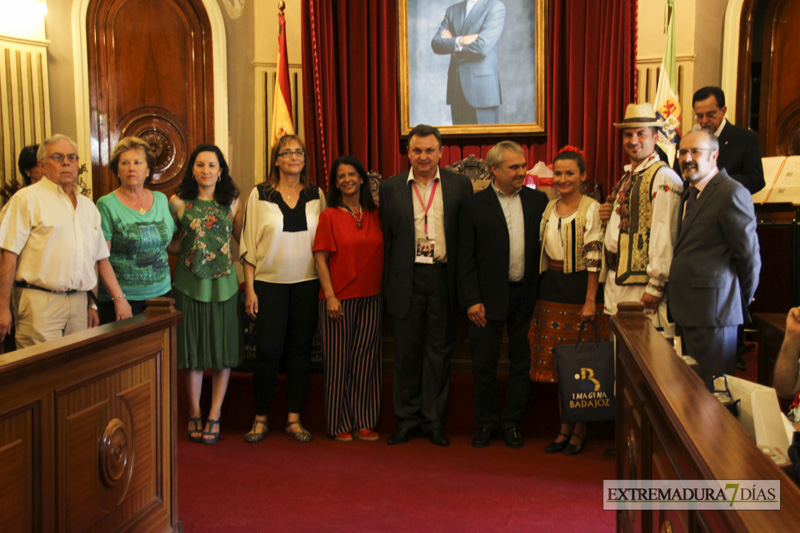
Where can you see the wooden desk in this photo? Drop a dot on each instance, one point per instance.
(771, 329)
(670, 427)
(87, 440)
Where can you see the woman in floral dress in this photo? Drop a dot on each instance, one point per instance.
(206, 209)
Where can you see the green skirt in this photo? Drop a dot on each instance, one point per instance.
(211, 333)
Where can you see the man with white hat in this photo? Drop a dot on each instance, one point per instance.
(642, 220)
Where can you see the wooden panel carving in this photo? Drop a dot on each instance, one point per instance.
(780, 91)
(151, 75)
(86, 434)
(16, 472)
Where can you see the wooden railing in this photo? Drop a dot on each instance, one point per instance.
(86, 429)
(670, 427)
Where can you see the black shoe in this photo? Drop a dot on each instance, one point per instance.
(482, 437)
(437, 437)
(513, 438)
(403, 435)
(555, 447)
(575, 449)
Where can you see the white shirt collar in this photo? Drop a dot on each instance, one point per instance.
(721, 127)
(411, 175)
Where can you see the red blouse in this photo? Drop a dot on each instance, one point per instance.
(356, 255)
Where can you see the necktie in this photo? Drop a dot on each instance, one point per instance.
(690, 201)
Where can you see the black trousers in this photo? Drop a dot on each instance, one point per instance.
(713, 348)
(287, 317)
(423, 343)
(485, 346)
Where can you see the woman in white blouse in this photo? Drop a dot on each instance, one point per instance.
(571, 243)
(281, 282)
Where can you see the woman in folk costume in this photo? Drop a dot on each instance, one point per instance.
(571, 242)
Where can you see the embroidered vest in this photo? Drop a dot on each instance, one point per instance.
(574, 247)
(634, 240)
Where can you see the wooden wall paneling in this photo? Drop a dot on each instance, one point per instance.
(17, 472)
(151, 75)
(24, 101)
(780, 89)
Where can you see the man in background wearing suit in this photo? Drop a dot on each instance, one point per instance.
(419, 212)
(739, 148)
(716, 262)
(469, 33)
(498, 279)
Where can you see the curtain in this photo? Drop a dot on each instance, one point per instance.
(350, 84)
(351, 98)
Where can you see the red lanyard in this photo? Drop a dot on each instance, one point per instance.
(430, 202)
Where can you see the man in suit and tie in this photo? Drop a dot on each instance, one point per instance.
(716, 261)
(498, 279)
(419, 213)
(739, 148)
(469, 34)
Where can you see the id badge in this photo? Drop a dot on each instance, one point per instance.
(425, 250)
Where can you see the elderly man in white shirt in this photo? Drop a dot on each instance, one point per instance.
(53, 248)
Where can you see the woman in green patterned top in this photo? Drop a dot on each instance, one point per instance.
(206, 209)
(138, 227)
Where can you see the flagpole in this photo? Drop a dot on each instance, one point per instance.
(282, 122)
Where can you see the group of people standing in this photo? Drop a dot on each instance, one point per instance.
(506, 255)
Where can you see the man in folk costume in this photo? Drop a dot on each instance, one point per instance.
(642, 221)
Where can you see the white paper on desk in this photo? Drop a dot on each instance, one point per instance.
(759, 412)
(787, 184)
(771, 166)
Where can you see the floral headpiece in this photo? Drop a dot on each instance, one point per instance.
(570, 148)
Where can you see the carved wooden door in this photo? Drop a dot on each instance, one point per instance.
(780, 89)
(151, 75)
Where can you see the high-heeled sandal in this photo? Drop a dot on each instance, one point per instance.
(555, 447)
(195, 432)
(575, 449)
(254, 435)
(214, 435)
(300, 436)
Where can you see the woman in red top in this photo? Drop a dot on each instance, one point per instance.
(348, 252)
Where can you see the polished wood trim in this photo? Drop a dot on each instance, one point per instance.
(87, 439)
(668, 424)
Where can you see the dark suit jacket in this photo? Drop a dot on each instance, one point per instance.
(397, 219)
(474, 67)
(483, 248)
(740, 156)
(716, 262)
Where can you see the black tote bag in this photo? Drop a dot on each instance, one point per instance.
(586, 379)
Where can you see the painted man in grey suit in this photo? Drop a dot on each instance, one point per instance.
(716, 262)
(469, 33)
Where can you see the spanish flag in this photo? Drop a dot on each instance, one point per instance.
(282, 108)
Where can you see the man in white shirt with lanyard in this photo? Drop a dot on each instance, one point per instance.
(419, 212)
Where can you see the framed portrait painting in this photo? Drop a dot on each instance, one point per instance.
(472, 67)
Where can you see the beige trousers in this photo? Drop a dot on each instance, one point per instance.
(41, 316)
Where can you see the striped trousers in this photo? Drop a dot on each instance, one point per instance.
(351, 351)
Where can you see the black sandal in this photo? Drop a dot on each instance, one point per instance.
(195, 433)
(213, 434)
(254, 435)
(300, 436)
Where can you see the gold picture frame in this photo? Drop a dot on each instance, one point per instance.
(424, 74)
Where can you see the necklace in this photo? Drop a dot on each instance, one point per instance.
(358, 217)
(141, 203)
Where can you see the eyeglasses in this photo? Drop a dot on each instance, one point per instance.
(694, 151)
(290, 153)
(711, 115)
(58, 158)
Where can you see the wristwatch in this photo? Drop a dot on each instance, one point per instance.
(93, 307)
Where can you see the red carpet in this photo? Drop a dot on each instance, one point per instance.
(281, 485)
